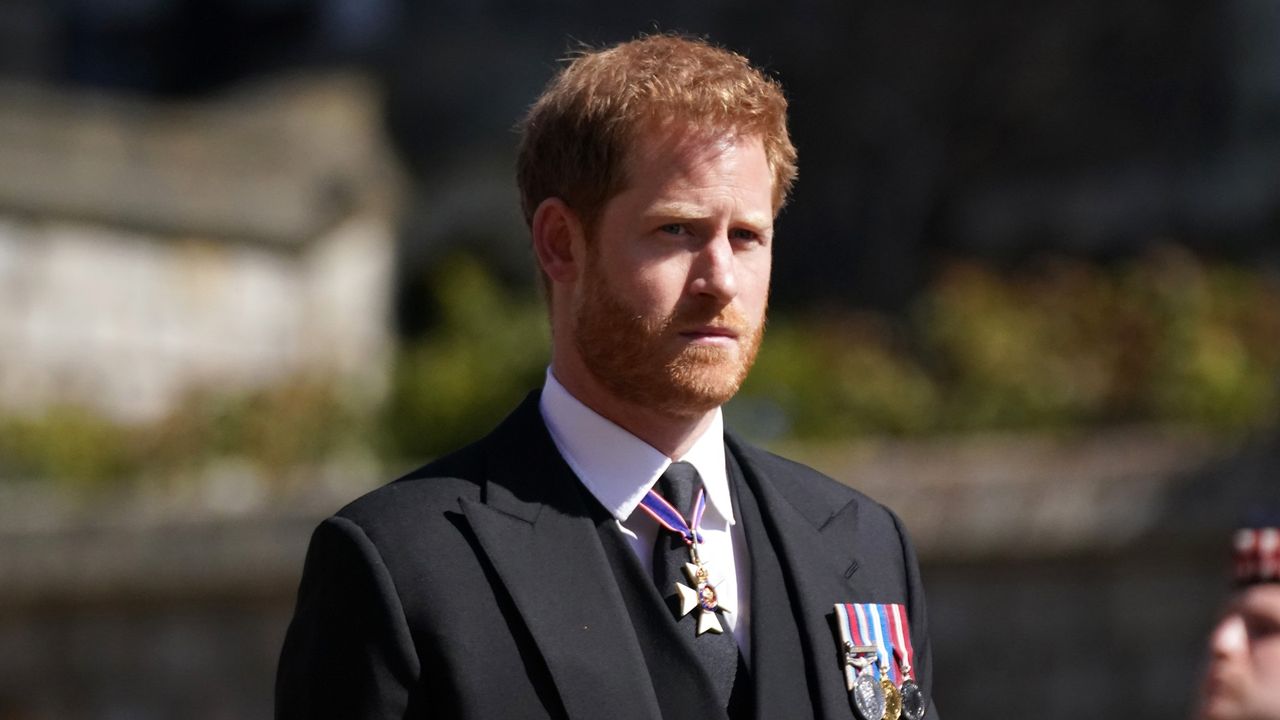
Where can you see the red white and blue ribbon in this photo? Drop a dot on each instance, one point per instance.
(884, 641)
(856, 628)
(670, 518)
(882, 626)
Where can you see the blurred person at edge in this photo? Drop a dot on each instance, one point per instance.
(539, 573)
(1242, 681)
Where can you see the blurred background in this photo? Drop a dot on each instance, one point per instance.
(258, 256)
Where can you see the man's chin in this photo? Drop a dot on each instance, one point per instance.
(698, 388)
(694, 402)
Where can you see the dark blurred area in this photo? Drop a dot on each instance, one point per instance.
(968, 170)
(994, 128)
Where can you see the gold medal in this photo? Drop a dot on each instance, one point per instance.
(892, 700)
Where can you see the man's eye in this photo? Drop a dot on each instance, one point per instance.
(1260, 626)
(673, 229)
(744, 235)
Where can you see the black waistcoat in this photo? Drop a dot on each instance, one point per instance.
(681, 686)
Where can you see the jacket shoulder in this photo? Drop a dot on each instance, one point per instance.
(435, 490)
(421, 493)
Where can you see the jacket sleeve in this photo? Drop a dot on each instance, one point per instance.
(918, 620)
(348, 652)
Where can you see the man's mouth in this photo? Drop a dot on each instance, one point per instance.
(711, 334)
(1218, 685)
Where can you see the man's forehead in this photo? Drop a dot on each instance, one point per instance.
(682, 148)
(682, 141)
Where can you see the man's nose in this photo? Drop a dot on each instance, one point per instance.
(1228, 637)
(713, 273)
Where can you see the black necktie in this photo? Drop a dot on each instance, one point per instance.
(679, 485)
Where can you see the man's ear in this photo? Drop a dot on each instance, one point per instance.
(559, 241)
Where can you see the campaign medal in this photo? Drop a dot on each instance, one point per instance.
(877, 644)
(914, 703)
(877, 617)
(858, 660)
(700, 594)
(868, 695)
(892, 700)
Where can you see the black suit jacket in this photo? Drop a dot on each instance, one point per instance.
(476, 587)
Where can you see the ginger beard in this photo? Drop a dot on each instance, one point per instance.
(642, 359)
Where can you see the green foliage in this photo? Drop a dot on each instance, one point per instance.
(488, 351)
(1162, 339)
(839, 376)
(1215, 358)
(1167, 338)
(67, 442)
(280, 430)
(1022, 353)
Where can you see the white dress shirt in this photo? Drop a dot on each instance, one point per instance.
(618, 468)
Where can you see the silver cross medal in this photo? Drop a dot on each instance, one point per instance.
(701, 595)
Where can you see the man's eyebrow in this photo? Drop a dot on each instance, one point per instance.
(677, 209)
(1258, 605)
(692, 211)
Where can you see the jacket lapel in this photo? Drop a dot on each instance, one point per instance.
(815, 549)
(536, 529)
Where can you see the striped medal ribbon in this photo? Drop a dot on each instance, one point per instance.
(914, 703)
(859, 660)
(879, 618)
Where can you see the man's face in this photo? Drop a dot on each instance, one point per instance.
(670, 310)
(1243, 679)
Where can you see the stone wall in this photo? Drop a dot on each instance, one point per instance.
(128, 321)
(147, 249)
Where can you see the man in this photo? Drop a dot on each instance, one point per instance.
(566, 565)
(1243, 678)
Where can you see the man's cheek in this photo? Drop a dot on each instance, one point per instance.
(1266, 661)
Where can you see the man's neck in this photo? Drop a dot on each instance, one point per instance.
(671, 435)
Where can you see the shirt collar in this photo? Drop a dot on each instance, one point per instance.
(617, 467)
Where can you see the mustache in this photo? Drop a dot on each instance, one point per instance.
(727, 316)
